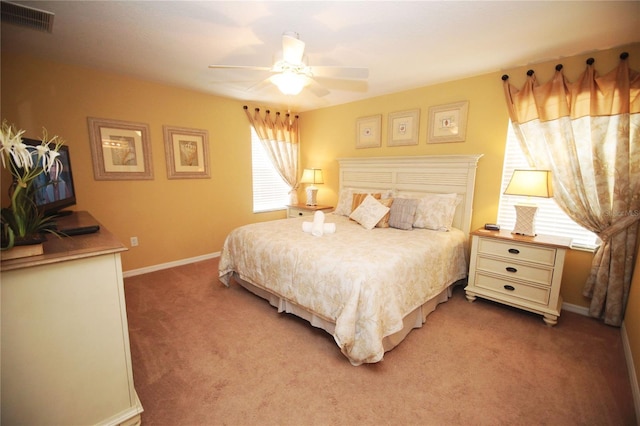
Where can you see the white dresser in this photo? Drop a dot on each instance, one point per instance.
(520, 271)
(65, 339)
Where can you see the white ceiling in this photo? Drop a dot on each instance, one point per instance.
(405, 44)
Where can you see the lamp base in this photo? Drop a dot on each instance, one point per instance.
(525, 220)
(312, 191)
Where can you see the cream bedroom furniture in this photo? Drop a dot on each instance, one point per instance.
(297, 210)
(65, 340)
(520, 271)
(347, 282)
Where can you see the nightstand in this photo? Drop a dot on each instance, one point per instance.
(520, 271)
(297, 210)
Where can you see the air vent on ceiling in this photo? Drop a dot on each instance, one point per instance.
(26, 16)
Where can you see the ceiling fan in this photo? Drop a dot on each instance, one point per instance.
(292, 73)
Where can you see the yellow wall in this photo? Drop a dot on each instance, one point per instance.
(173, 219)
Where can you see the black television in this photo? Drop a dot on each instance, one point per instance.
(52, 197)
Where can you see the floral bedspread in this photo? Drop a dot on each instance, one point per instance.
(365, 281)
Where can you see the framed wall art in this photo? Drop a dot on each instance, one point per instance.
(187, 152)
(120, 149)
(448, 123)
(404, 127)
(368, 131)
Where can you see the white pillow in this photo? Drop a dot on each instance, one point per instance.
(435, 211)
(345, 198)
(369, 212)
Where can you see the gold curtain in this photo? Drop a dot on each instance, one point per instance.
(588, 134)
(280, 138)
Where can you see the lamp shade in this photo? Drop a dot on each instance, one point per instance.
(530, 183)
(312, 176)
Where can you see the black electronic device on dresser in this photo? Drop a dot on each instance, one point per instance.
(76, 223)
(56, 191)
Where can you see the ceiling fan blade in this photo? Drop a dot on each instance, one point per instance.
(292, 49)
(317, 89)
(349, 73)
(343, 84)
(243, 67)
(261, 85)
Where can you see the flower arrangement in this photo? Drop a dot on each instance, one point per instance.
(22, 220)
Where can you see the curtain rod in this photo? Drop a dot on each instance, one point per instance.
(590, 61)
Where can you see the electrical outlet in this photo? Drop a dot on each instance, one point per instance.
(134, 241)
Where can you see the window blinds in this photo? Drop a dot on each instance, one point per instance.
(270, 192)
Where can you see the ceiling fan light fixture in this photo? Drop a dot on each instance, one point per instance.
(290, 83)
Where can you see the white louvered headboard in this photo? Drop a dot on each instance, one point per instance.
(429, 173)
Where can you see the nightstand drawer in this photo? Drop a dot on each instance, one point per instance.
(293, 212)
(299, 210)
(529, 253)
(510, 270)
(513, 289)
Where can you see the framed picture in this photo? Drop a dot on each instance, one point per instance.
(368, 131)
(403, 128)
(120, 150)
(187, 152)
(448, 123)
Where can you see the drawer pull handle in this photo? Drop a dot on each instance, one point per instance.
(509, 287)
(514, 251)
(300, 213)
(511, 269)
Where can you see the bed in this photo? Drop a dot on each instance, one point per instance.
(367, 286)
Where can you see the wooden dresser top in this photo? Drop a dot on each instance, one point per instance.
(61, 249)
(504, 234)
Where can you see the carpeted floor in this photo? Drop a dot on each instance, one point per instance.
(204, 354)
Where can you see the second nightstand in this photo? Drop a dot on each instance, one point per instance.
(524, 272)
(297, 210)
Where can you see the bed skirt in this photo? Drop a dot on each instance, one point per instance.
(414, 319)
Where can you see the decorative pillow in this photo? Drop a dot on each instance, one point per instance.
(344, 202)
(436, 211)
(358, 198)
(384, 222)
(369, 212)
(402, 213)
(345, 199)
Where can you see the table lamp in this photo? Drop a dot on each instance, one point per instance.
(529, 183)
(312, 176)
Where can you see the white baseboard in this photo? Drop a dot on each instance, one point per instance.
(576, 309)
(168, 265)
(633, 378)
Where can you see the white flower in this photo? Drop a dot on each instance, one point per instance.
(47, 155)
(54, 172)
(21, 156)
(10, 139)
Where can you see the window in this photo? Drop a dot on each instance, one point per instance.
(550, 219)
(270, 191)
